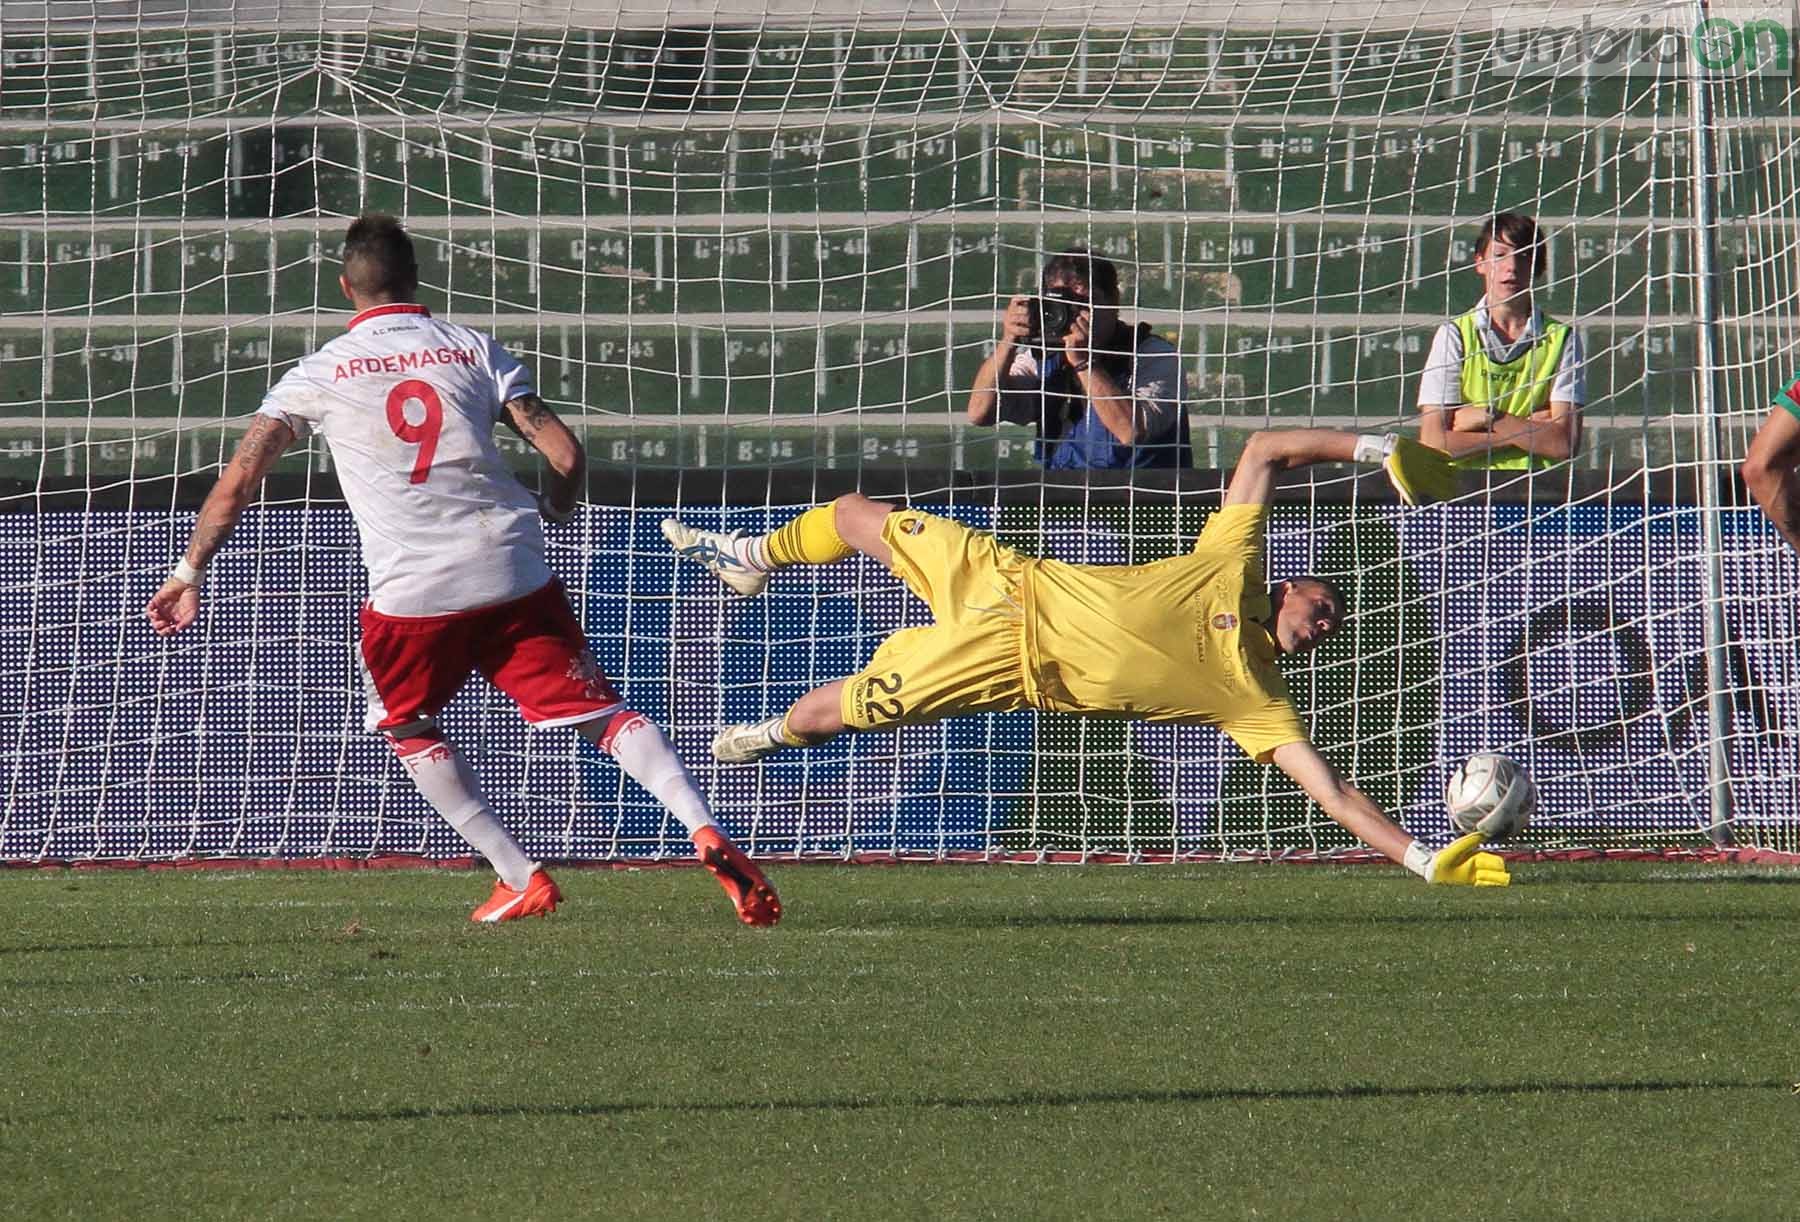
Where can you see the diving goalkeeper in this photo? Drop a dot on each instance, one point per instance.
(1190, 639)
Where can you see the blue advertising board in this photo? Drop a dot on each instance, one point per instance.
(1571, 638)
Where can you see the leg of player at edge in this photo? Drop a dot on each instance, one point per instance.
(1769, 470)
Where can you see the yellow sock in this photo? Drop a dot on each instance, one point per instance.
(811, 538)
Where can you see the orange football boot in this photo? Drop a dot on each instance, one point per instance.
(539, 898)
(750, 892)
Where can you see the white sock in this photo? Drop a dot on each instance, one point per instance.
(449, 785)
(647, 757)
(754, 552)
(774, 731)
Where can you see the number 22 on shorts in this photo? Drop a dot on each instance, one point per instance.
(886, 710)
(423, 434)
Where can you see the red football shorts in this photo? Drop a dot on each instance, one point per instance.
(531, 648)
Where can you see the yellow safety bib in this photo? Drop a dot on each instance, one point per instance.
(1517, 387)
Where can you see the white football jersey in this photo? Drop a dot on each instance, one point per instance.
(408, 404)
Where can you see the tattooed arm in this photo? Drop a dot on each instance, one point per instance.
(532, 419)
(174, 607)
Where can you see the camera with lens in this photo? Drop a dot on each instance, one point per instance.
(1052, 318)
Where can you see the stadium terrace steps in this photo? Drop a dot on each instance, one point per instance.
(774, 67)
(1627, 269)
(752, 225)
(425, 167)
(845, 368)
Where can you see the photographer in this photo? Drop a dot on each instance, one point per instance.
(1102, 395)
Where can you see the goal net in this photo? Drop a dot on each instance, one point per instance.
(755, 253)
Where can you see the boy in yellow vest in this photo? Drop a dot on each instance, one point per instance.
(1503, 387)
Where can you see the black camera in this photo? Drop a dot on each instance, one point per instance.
(1053, 318)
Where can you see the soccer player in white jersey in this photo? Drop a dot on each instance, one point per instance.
(454, 546)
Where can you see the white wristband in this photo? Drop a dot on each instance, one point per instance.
(1418, 859)
(187, 574)
(1372, 449)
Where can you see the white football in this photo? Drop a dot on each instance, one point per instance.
(1492, 795)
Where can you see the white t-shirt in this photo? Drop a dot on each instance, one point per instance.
(407, 404)
(1441, 384)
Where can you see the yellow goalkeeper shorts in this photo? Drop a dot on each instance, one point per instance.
(972, 659)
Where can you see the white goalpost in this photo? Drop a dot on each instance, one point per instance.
(755, 252)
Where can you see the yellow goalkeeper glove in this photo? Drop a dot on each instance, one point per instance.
(1417, 472)
(1462, 863)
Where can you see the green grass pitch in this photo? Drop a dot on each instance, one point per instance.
(914, 1042)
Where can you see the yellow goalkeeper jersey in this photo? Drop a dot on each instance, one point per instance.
(1178, 640)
